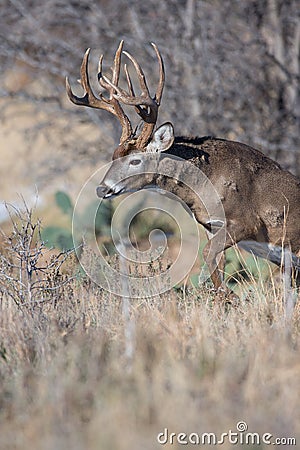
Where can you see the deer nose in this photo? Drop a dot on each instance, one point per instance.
(101, 191)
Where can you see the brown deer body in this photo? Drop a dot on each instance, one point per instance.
(261, 201)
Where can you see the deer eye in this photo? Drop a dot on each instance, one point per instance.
(135, 162)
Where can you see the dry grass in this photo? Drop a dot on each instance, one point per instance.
(82, 369)
(66, 382)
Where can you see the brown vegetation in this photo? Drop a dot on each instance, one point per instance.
(84, 369)
(66, 381)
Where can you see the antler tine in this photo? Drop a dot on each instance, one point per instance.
(141, 76)
(111, 86)
(161, 82)
(117, 64)
(129, 82)
(89, 99)
(74, 99)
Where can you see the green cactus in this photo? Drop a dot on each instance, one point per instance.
(247, 267)
(98, 217)
(57, 237)
(64, 202)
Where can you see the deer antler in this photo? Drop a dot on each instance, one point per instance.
(145, 105)
(89, 99)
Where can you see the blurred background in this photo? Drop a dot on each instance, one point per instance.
(232, 70)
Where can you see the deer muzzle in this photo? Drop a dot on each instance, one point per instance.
(104, 191)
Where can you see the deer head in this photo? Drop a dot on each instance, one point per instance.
(132, 141)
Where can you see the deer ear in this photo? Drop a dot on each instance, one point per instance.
(162, 139)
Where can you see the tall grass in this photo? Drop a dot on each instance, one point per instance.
(67, 382)
(195, 368)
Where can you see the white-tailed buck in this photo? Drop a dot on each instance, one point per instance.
(261, 201)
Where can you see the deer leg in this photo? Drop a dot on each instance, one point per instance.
(215, 260)
(216, 268)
